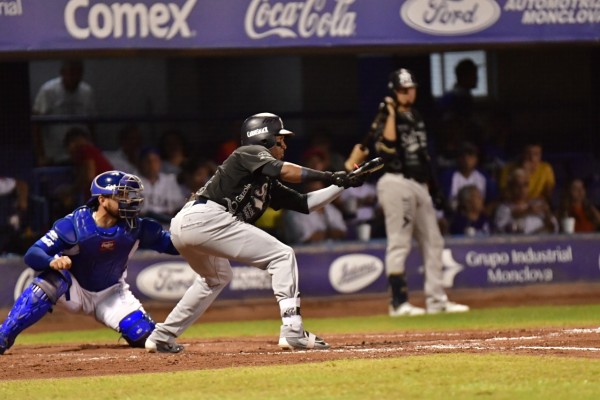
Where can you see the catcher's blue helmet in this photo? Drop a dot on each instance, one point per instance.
(126, 189)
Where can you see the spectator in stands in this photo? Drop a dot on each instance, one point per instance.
(88, 160)
(14, 215)
(575, 204)
(65, 95)
(194, 174)
(470, 218)
(459, 101)
(127, 157)
(173, 151)
(318, 226)
(520, 213)
(467, 173)
(162, 194)
(359, 206)
(459, 122)
(323, 142)
(540, 173)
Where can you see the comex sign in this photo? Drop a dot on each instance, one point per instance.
(160, 20)
(450, 17)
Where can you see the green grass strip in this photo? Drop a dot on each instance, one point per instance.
(488, 318)
(442, 376)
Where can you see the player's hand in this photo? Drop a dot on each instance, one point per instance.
(390, 105)
(358, 155)
(345, 180)
(339, 178)
(62, 262)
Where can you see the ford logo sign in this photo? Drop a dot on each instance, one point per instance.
(166, 280)
(353, 272)
(450, 17)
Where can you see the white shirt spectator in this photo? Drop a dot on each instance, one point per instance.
(162, 197)
(120, 162)
(355, 201)
(300, 227)
(7, 185)
(459, 181)
(53, 99)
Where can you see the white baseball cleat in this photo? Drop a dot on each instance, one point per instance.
(405, 310)
(292, 338)
(447, 307)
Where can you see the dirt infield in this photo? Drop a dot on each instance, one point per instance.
(89, 359)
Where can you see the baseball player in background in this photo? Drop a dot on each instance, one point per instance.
(404, 194)
(82, 262)
(216, 226)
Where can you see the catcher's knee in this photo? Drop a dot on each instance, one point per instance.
(136, 327)
(53, 283)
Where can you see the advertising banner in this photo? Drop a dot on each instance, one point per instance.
(358, 267)
(31, 25)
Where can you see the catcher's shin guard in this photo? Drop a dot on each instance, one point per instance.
(136, 327)
(32, 305)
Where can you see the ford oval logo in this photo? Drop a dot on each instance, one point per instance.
(166, 280)
(450, 17)
(353, 272)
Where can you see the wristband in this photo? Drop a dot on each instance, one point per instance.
(311, 175)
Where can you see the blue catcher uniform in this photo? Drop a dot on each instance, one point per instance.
(95, 283)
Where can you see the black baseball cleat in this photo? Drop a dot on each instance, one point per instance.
(161, 347)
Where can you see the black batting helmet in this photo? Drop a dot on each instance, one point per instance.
(261, 129)
(401, 78)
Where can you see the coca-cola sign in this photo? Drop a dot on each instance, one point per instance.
(300, 19)
(450, 17)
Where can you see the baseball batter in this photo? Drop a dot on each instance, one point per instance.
(82, 262)
(216, 226)
(404, 195)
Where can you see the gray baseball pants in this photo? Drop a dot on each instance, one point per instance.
(409, 211)
(208, 236)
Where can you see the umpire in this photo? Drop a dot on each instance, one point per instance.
(216, 225)
(404, 194)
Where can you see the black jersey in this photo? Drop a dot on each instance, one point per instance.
(410, 157)
(245, 191)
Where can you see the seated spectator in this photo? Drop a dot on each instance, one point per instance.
(88, 160)
(467, 173)
(575, 204)
(359, 205)
(541, 174)
(14, 215)
(162, 194)
(323, 142)
(271, 222)
(127, 157)
(470, 218)
(194, 174)
(173, 151)
(520, 213)
(318, 226)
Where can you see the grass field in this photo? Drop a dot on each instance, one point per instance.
(458, 372)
